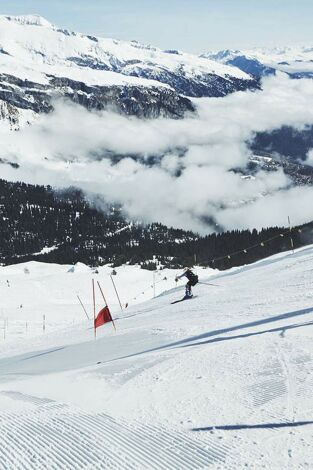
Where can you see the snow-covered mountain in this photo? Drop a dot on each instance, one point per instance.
(296, 61)
(39, 61)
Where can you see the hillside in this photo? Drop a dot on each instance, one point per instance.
(66, 227)
(295, 144)
(220, 381)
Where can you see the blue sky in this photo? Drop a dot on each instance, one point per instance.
(191, 25)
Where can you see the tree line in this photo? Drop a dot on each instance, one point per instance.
(40, 223)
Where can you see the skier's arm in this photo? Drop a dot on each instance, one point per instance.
(179, 277)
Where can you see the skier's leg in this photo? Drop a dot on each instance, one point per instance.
(188, 289)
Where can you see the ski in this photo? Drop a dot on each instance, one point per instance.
(182, 300)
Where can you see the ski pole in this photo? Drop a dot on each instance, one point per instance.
(209, 284)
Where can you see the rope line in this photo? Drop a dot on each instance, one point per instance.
(245, 250)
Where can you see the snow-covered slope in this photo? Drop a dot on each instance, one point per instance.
(39, 48)
(221, 381)
(297, 61)
(56, 288)
(38, 60)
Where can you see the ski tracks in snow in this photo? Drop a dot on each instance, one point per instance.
(281, 395)
(55, 436)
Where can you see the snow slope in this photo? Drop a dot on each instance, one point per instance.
(221, 381)
(296, 61)
(32, 48)
(55, 288)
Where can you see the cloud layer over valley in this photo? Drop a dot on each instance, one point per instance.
(178, 172)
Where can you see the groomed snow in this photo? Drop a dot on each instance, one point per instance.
(221, 381)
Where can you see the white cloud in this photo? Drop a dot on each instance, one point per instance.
(192, 176)
(272, 210)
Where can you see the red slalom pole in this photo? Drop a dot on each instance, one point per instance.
(94, 307)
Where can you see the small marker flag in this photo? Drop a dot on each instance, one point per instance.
(104, 316)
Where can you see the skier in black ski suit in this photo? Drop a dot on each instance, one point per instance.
(192, 281)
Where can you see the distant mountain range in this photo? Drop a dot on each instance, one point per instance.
(297, 62)
(39, 62)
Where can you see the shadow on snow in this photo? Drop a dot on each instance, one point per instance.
(238, 427)
(191, 341)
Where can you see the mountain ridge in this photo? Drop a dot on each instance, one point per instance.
(296, 61)
(36, 55)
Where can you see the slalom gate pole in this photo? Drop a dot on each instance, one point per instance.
(105, 302)
(94, 307)
(153, 284)
(81, 303)
(291, 239)
(118, 297)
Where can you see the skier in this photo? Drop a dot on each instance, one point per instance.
(192, 281)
